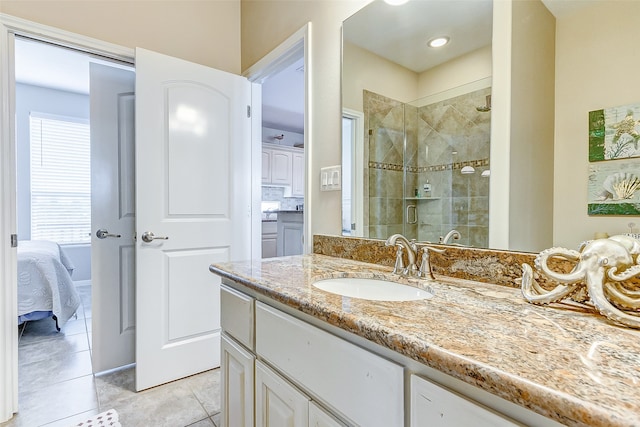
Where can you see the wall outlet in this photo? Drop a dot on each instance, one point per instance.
(426, 187)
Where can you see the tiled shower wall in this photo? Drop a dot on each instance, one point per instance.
(441, 138)
(384, 153)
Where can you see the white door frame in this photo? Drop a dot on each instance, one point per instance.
(9, 27)
(357, 170)
(289, 51)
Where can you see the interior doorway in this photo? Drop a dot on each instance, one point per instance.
(283, 149)
(55, 182)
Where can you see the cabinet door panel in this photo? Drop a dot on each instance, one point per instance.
(347, 378)
(297, 179)
(278, 403)
(236, 315)
(320, 418)
(433, 405)
(281, 167)
(266, 166)
(292, 239)
(269, 246)
(237, 376)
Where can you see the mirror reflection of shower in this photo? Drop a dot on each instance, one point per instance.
(418, 158)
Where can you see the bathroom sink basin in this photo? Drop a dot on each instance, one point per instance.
(372, 289)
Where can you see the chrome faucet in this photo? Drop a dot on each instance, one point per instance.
(453, 234)
(410, 247)
(425, 264)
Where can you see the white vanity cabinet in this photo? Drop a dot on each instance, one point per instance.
(278, 370)
(435, 406)
(252, 393)
(343, 376)
(278, 403)
(237, 379)
(318, 417)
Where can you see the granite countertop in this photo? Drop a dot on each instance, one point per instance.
(562, 361)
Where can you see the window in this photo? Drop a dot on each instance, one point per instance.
(60, 179)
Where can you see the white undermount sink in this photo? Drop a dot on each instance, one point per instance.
(372, 289)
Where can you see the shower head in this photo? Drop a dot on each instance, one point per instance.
(486, 107)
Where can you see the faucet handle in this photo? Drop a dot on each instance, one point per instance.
(425, 263)
(399, 266)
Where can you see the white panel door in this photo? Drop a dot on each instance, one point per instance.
(193, 192)
(113, 213)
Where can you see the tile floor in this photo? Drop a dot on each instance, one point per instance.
(57, 389)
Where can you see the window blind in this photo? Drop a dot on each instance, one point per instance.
(60, 179)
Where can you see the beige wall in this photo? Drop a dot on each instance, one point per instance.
(468, 68)
(597, 61)
(202, 31)
(532, 127)
(365, 70)
(266, 24)
(522, 162)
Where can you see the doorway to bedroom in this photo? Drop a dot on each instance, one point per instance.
(74, 152)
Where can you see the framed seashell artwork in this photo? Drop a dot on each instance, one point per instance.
(614, 133)
(614, 188)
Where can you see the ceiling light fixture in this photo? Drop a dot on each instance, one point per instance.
(395, 2)
(438, 41)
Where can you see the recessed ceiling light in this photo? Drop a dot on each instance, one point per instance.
(438, 41)
(395, 2)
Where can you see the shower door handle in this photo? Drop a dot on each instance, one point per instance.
(415, 214)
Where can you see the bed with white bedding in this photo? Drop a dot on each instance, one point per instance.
(45, 287)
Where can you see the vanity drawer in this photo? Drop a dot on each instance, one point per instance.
(237, 315)
(345, 377)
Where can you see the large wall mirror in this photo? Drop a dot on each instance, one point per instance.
(419, 156)
(417, 120)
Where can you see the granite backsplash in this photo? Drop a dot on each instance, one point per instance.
(482, 265)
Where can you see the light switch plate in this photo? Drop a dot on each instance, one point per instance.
(331, 178)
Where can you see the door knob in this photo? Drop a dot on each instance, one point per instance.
(148, 237)
(103, 234)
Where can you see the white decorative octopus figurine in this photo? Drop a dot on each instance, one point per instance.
(600, 267)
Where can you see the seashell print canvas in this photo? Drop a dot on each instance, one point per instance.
(614, 133)
(614, 188)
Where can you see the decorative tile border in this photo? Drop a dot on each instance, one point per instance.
(386, 166)
(432, 168)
